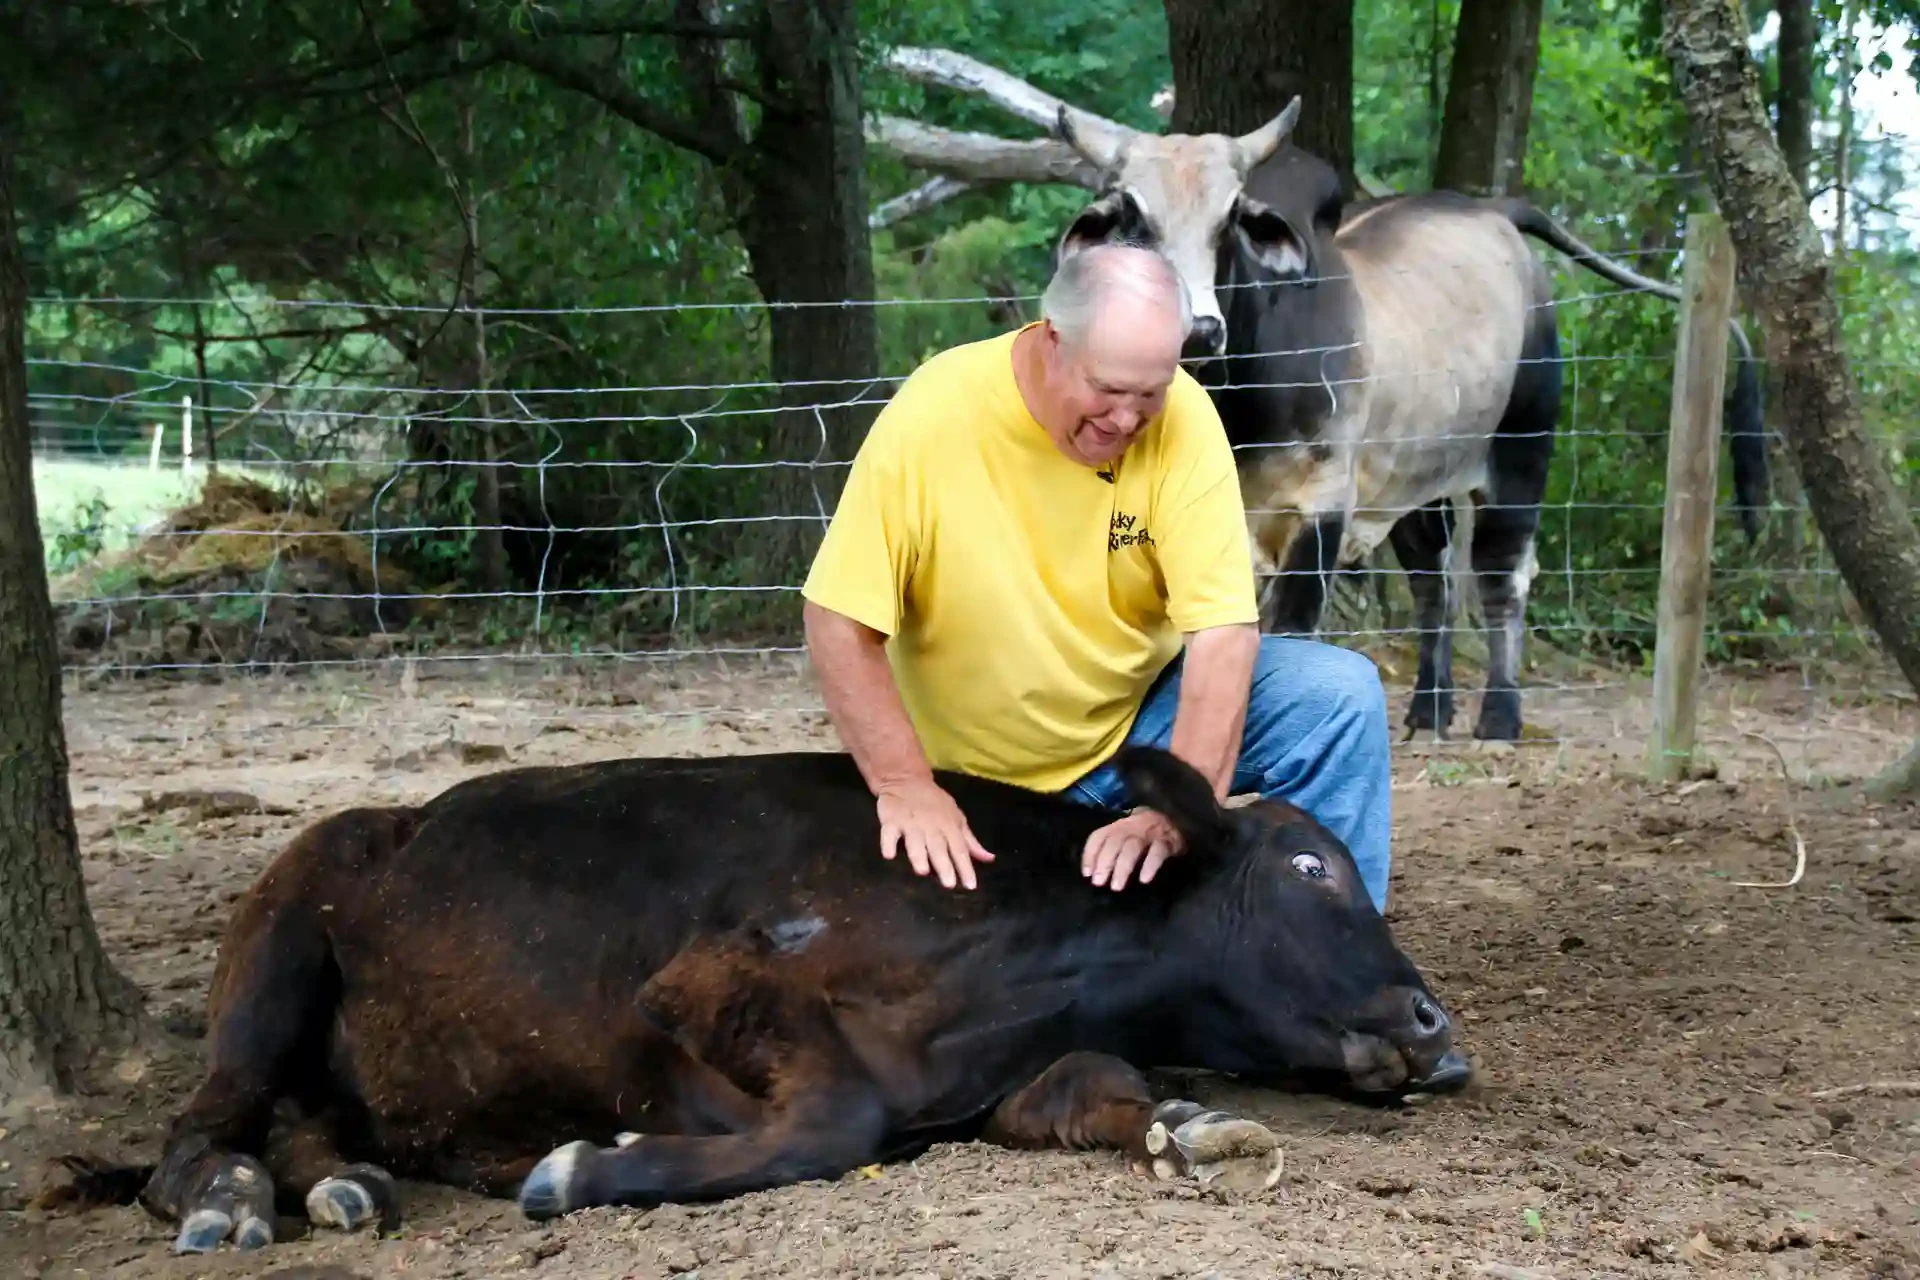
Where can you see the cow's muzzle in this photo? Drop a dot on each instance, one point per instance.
(1403, 1036)
(1206, 339)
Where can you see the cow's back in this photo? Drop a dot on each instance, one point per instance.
(1449, 289)
(536, 911)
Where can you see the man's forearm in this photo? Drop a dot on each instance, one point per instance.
(1214, 683)
(862, 699)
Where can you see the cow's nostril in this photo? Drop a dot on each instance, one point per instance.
(1427, 1016)
(1208, 335)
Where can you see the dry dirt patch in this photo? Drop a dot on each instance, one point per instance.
(1653, 1039)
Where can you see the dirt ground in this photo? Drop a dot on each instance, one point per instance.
(1655, 1040)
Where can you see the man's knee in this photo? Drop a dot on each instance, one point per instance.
(1344, 682)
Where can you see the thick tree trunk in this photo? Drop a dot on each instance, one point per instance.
(1787, 277)
(1237, 63)
(1483, 135)
(60, 997)
(805, 228)
(1793, 108)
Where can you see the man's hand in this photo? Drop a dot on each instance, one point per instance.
(921, 814)
(1117, 848)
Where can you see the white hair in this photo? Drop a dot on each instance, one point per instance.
(1085, 283)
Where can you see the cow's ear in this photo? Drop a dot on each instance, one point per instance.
(1170, 786)
(1272, 239)
(1113, 216)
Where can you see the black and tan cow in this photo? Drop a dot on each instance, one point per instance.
(1372, 362)
(640, 981)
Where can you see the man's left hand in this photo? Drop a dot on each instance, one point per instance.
(1142, 839)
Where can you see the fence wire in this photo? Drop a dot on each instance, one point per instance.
(648, 526)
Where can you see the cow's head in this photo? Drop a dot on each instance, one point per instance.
(1184, 194)
(1309, 978)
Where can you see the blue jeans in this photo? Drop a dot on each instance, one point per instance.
(1316, 736)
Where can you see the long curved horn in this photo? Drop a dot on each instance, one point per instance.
(1099, 141)
(1251, 148)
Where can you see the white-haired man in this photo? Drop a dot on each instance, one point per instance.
(1040, 555)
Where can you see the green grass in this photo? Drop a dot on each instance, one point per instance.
(89, 507)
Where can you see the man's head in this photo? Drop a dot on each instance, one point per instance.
(1115, 318)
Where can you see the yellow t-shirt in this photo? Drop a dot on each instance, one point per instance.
(1029, 601)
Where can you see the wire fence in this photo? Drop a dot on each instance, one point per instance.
(374, 519)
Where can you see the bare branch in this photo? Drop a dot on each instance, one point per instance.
(1011, 94)
(981, 157)
(683, 28)
(614, 95)
(910, 204)
(315, 331)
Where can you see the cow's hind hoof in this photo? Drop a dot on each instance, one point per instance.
(555, 1185)
(204, 1230)
(354, 1197)
(236, 1204)
(1499, 718)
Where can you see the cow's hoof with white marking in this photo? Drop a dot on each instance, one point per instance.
(205, 1230)
(1218, 1150)
(354, 1197)
(558, 1183)
(1245, 1175)
(236, 1204)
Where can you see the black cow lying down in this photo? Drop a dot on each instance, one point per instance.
(654, 980)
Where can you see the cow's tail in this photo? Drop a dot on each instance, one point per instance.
(1747, 433)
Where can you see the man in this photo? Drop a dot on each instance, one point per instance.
(1041, 554)
(1035, 528)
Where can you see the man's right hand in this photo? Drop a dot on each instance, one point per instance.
(922, 815)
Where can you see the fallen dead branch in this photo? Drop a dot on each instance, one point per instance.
(1872, 1089)
(1793, 828)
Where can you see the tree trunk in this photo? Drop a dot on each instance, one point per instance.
(1788, 279)
(1237, 63)
(804, 225)
(1483, 135)
(61, 999)
(1794, 106)
(1843, 141)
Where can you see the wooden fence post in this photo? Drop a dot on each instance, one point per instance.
(1693, 486)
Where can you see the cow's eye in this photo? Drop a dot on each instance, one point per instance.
(1310, 865)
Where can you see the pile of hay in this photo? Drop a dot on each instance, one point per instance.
(212, 561)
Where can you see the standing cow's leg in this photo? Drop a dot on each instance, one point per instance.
(821, 1133)
(1507, 519)
(1422, 542)
(1089, 1101)
(1293, 602)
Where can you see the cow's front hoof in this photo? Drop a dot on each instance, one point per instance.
(1430, 713)
(1218, 1150)
(557, 1184)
